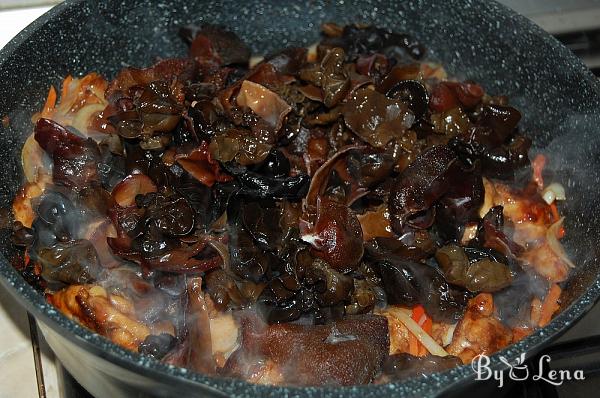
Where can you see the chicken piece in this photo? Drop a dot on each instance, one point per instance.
(442, 333)
(224, 333)
(546, 262)
(399, 334)
(531, 217)
(529, 213)
(81, 101)
(109, 315)
(22, 205)
(479, 332)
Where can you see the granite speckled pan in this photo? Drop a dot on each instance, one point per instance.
(480, 40)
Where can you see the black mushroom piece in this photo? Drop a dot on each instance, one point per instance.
(248, 260)
(215, 43)
(417, 188)
(369, 169)
(359, 40)
(275, 165)
(300, 285)
(288, 61)
(404, 366)
(73, 262)
(331, 286)
(58, 219)
(494, 141)
(275, 307)
(171, 214)
(147, 111)
(345, 352)
(410, 283)
(460, 204)
(491, 235)
(482, 275)
(257, 185)
(330, 76)
(503, 161)
(262, 221)
(227, 291)
(412, 92)
(413, 245)
(336, 236)
(63, 258)
(157, 346)
(75, 158)
(375, 118)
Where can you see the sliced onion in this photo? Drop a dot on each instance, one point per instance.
(554, 191)
(224, 332)
(311, 55)
(488, 202)
(223, 252)
(447, 337)
(555, 245)
(432, 346)
(255, 60)
(124, 193)
(318, 183)
(264, 102)
(83, 117)
(34, 160)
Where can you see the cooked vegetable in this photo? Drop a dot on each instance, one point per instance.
(478, 276)
(419, 186)
(409, 283)
(376, 119)
(337, 215)
(433, 347)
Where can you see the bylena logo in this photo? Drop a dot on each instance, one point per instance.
(518, 370)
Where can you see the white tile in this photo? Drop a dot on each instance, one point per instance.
(17, 371)
(13, 21)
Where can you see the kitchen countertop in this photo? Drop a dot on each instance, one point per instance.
(17, 367)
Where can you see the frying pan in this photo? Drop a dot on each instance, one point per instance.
(478, 40)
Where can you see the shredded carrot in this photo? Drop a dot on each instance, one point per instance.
(556, 217)
(428, 325)
(420, 317)
(549, 305)
(417, 312)
(50, 102)
(26, 258)
(538, 164)
(65, 86)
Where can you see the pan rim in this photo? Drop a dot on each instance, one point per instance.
(34, 302)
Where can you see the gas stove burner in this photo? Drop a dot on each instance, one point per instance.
(575, 23)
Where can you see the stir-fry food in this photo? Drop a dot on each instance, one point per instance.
(343, 214)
